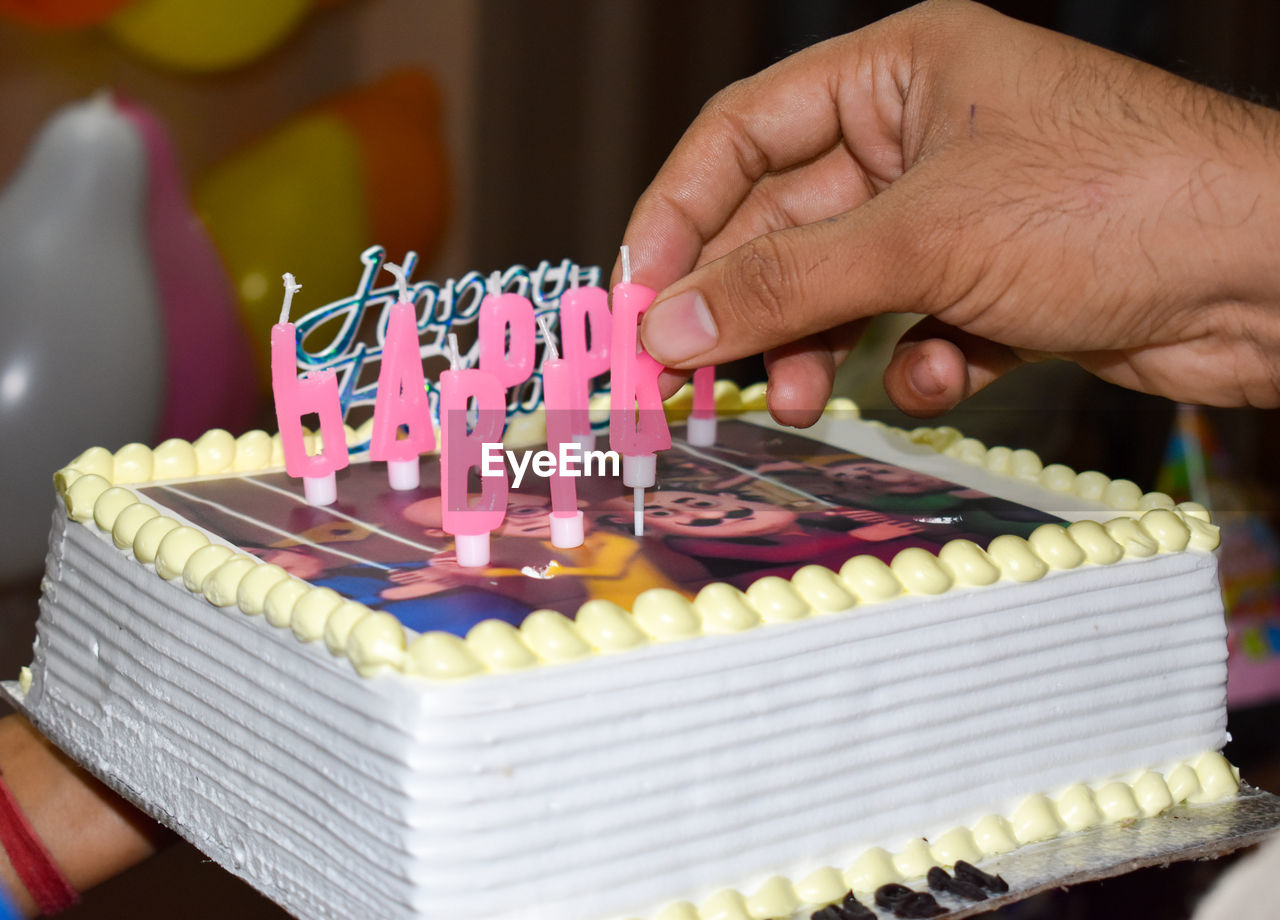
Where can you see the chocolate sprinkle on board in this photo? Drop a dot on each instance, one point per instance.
(855, 910)
(971, 873)
(918, 904)
(939, 880)
(831, 912)
(892, 894)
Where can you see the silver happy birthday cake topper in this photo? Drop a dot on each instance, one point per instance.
(350, 332)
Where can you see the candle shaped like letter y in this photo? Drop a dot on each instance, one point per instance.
(316, 392)
(401, 402)
(583, 309)
(637, 422)
(462, 450)
(563, 418)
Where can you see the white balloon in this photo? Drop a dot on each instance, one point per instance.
(81, 360)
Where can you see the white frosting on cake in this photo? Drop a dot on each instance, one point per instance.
(770, 761)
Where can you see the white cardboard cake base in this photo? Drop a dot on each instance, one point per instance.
(1182, 833)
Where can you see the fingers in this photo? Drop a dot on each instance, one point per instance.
(881, 257)
(801, 374)
(935, 366)
(784, 117)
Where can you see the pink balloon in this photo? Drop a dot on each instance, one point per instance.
(211, 381)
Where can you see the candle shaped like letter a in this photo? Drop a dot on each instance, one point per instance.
(316, 392)
(402, 395)
(462, 450)
(563, 417)
(637, 422)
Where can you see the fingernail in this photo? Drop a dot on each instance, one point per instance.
(679, 328)
(924, 379)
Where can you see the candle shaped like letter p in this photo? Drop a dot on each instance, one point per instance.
(583, 309)
(402, 395)
(462, 450)
(507, 334)
(316, 392)
(563, 417)
(637, 422)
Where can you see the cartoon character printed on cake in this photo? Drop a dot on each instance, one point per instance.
(855, 480)
(527, 572)
(737, 539)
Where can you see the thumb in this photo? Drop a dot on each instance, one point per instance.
(785, 285)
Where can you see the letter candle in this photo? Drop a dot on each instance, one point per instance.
(402, 395)
(701, 428)
(502, 316)
(294, 398)
(637, 421)
(567, 529)
(460, 451)
(582, 308)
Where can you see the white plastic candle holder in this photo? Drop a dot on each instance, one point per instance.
(403, 475)
(567, 529)
(640, 471)
(586, 441)
(320, 490)
(472, 549)
(701, 432)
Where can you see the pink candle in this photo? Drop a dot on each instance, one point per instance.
(563, 417)
(402, 396)
(637, 422)
(316, 392)
(583, 309)
(507, 335)
(701, 428)
(461, 451)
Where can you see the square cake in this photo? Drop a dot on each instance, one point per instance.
(835, 660)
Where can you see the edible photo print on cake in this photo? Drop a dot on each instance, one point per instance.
(760, 502)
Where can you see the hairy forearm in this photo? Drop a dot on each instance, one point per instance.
(91, 833)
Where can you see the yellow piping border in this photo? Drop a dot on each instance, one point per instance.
(92, 488)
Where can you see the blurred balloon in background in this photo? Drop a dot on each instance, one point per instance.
(81, 349)
(210, 380)
(204, 35)
(366, 166)
(60, 14)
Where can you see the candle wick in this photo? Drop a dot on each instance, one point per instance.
(455, 357)
(626, 264)
(544, 323)
(291, 287)
(573, 278)
(402, 285)
(495, 284)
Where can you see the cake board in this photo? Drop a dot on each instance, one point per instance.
(1185, 832)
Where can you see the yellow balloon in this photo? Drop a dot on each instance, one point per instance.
(293, 202)
(204, 34)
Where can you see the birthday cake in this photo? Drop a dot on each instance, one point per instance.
(834, 661)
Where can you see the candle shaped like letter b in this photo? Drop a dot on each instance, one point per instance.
(316, 392)
(402, 395)
(462, 450)
(637, 422)
(562, 420)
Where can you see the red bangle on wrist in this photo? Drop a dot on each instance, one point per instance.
(34, 865)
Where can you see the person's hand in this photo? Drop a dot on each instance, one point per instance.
(1034, 195)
